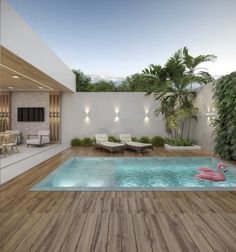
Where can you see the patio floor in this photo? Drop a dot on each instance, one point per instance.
(113, 221)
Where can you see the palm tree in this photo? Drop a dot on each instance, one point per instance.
(194, 71)
(173, 89)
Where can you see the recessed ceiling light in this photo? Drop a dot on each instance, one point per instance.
(15, 77)
(10, 87)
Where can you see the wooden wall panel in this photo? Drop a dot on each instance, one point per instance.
(5, 110)
(55, 116)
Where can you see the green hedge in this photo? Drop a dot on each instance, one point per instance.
(145, 139)
(75, 142)
(158, 141)
(224, 95)
(81, 142)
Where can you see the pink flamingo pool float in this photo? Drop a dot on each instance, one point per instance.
(212, 175)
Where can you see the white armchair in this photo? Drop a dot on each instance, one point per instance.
(42, 138)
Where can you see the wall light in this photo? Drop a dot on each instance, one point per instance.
(146, 118)
(117, 115)
(87, 115)
(210, 114)
(15, 77)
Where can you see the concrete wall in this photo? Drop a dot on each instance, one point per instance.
(131, 107)
(102, 107)
(29, 99)
(202, 131)
(20, 39)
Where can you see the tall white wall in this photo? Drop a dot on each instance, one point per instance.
(29, 99)
(202, 131)
(102, 107)
(20, 39)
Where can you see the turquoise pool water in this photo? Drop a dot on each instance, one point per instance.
(151, 173)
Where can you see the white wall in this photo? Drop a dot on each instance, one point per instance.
(29, 99)
(102, 108)
(20, 39)
(202, 131)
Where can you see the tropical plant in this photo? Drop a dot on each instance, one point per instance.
(224, 95)
(173, 89)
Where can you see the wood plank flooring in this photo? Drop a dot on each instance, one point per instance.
(113, 221)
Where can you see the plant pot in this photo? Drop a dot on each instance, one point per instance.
(172, 147)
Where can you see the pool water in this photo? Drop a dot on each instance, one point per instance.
(150, 173)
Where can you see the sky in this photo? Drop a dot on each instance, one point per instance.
(122, 37)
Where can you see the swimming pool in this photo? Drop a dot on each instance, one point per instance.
(134, 174)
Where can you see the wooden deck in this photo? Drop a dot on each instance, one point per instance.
(113, 221)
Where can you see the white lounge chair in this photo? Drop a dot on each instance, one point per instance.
(132, 145)
(103, 142)
(42, 138)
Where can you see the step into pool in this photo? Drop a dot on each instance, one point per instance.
(134, 174)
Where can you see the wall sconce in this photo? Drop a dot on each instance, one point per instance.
(117, 115)
(211, 114)
(146, 118)
(86, 115)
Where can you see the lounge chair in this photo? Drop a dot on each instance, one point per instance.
(132, 145)
(103, 142)
(41, 139)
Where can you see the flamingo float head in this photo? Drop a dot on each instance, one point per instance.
(222, 166)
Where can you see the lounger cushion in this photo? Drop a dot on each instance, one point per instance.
(137, 144)
(111, 144)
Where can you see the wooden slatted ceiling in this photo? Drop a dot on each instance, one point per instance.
(30, 77)
(113, 221)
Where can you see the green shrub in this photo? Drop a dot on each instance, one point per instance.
(158, 141)
(113, 139)
(224, 95)
(135, 139)
(144, 139)
(75, 142)
(86, 141)
(179, 141)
